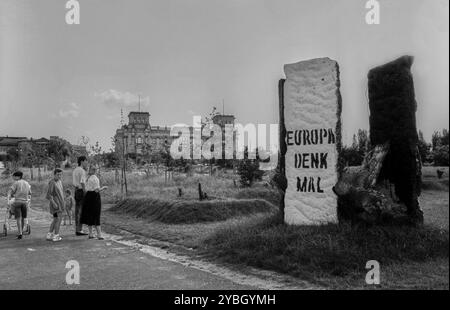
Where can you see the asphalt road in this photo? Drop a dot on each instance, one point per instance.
(34, 263)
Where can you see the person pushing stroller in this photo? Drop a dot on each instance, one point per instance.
(20, 190)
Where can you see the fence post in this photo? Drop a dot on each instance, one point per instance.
(200, 193)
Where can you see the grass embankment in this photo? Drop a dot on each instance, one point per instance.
(155, 199)
(189, 212)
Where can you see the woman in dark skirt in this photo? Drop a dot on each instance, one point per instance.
(92, 204)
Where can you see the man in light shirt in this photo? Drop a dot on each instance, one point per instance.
(79, 182)
(21, 192)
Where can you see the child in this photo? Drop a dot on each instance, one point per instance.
(21, 191)
(55, 194)
(70, 202)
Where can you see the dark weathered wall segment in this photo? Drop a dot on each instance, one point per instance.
(393, 119)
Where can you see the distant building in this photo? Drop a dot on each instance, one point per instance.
(27, 144)
(138, 136)
(79, 150)
(8, 143)
(24, 144)
(41, 141)
(223, 120)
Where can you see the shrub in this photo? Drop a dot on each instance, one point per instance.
(440, 155)
(248, 171)
(351, 156)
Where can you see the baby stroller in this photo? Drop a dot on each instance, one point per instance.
(10, 222)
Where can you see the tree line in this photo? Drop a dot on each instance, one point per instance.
(34, 155)
(435, 153)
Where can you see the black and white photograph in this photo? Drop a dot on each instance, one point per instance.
(224, 151)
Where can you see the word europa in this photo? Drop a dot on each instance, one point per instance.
(373, 15)
(310, 137)
(226, 300)
(226, 142)
(73, 15)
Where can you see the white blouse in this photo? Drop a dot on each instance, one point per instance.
(92, 183)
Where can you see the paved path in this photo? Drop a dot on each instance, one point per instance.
(34, 263)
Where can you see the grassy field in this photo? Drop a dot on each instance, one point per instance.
(330, 255)
(241, 226)
(218, 188)
(434, 199)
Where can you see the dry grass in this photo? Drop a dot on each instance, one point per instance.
(434, 199)
(155, 186)
(430, 180)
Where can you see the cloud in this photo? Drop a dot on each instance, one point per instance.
(72, 111)
(75, 105)
(112, 97)
(69, 113)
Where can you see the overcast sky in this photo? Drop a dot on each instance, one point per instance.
(185, 56)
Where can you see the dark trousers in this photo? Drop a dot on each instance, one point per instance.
(79, 196)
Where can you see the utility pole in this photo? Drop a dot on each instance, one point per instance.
(122, 156)
(123, 183)
(124, 166)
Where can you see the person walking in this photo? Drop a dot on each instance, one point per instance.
(55, 195)
(92, 205)
(79, 180)
(21, 192)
